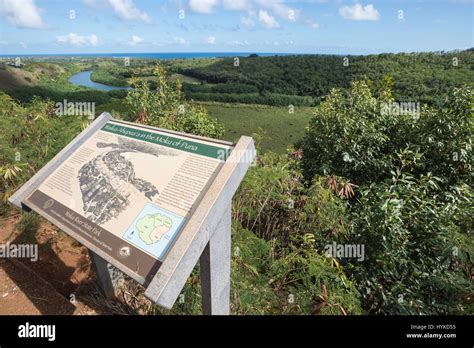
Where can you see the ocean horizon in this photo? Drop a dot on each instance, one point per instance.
(190, 55)
(148, 55)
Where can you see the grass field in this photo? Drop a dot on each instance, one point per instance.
(12, 78)
(184, 78)
(115, 107)
(281, 127)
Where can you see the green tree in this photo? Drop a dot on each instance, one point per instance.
(413, 209)
(166, 107)
(349, 136)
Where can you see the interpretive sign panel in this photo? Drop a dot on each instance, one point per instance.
(128, 190)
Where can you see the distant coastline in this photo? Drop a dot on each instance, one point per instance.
(169, 55)
(191, 55)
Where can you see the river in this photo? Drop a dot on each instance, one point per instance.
(84, 79)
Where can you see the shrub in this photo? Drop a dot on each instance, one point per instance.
(297, 221)
(165, 107)
(419, 258)
(350, 137)
(413, 209)
(29, 137)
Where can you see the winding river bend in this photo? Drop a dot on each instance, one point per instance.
(84, 79)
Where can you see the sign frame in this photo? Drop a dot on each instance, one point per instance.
(206, 237)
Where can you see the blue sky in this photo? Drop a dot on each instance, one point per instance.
(296, 26)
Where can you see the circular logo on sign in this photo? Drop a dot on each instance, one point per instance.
(48, 204)
(124, 251)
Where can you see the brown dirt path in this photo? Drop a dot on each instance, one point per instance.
(60, 282)
(33, 297)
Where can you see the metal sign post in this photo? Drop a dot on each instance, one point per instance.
(166, 225)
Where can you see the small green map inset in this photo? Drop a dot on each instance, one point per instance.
(152, 227)
(154, 230)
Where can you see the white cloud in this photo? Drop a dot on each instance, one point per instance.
(78, 40)
(280, 9)
(357, 12)
(211, 40)
(237, 5)
(3, 42)
(126, 9)
(267, 20)
(180, 40)
(23, 45)
(238, 43)
(202, 6)
(22, 13)
(135, 40)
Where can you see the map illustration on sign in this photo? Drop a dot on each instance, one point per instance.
(153, 229)
(108, 180)
(129, 190)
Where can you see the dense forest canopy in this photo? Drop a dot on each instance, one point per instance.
(418, 76)
(299, 80)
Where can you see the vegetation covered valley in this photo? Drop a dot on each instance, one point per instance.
(343, 167)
